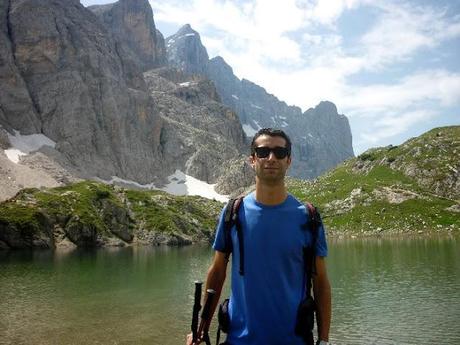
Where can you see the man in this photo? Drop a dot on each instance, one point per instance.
(264, 301)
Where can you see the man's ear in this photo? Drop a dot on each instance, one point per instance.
(289, 160)
(252, 160)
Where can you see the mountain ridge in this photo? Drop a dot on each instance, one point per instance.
(256, 108)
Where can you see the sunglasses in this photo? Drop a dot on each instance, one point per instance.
(278, 151)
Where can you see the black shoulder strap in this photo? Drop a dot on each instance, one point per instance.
(231, 218)
(313, 223)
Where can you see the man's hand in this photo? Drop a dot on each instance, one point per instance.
(189, 340)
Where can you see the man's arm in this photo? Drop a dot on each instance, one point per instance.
(322, 291)
(216, 277)
(215, 280)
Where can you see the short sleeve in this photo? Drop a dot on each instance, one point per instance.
(219, 240)
(321, 242)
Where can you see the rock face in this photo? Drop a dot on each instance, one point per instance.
(81, 93)
(131, 22)
(323, 140)
(199, 132)
(185, 51)
(321, 137)
(17, 109)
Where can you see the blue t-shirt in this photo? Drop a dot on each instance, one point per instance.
(263, 302)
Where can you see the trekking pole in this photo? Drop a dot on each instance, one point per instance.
(196, 310)
(206, 315)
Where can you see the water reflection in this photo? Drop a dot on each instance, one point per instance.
(385, 291)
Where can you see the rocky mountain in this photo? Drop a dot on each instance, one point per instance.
(76, 76)
(321, 137)
(414, 187)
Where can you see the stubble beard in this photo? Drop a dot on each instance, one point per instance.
(271, 180)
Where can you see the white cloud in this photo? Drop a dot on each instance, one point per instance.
(327, 11)
(402, 30)
(436, 85)
(393, 124)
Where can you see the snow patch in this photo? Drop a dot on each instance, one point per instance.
(282, 117)
(235, 96)
(182, 184)
(190, 34)
(284, 124)
(248, 130)
(257, 124)
(116, 179)
(22, 145)
(179, 184)
(255, 106)
(187, 83)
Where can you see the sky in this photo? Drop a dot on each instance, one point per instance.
(392, 66)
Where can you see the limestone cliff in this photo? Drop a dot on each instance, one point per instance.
(64, 69)
(131, 22)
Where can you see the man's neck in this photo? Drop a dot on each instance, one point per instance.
(270, 194)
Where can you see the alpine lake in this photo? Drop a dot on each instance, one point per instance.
(403, 290)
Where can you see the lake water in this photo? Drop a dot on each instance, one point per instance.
(385, 291)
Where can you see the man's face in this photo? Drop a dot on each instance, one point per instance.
(270, 169)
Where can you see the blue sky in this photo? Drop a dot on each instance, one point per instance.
(392, 67)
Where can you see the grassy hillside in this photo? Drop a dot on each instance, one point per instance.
(414, 187)
(91, 214)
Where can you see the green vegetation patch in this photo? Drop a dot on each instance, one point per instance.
(169, 214)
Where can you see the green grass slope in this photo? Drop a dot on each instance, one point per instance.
(90, 214)
(414, 187)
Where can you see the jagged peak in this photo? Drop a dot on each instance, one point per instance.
(327, 105)
(185, 30)
(324, 107)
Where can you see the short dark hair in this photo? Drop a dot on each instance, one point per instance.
(272, 133)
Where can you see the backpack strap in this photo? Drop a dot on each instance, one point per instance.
(231, 218)
(313, 223)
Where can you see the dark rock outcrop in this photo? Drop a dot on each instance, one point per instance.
(36, 232)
